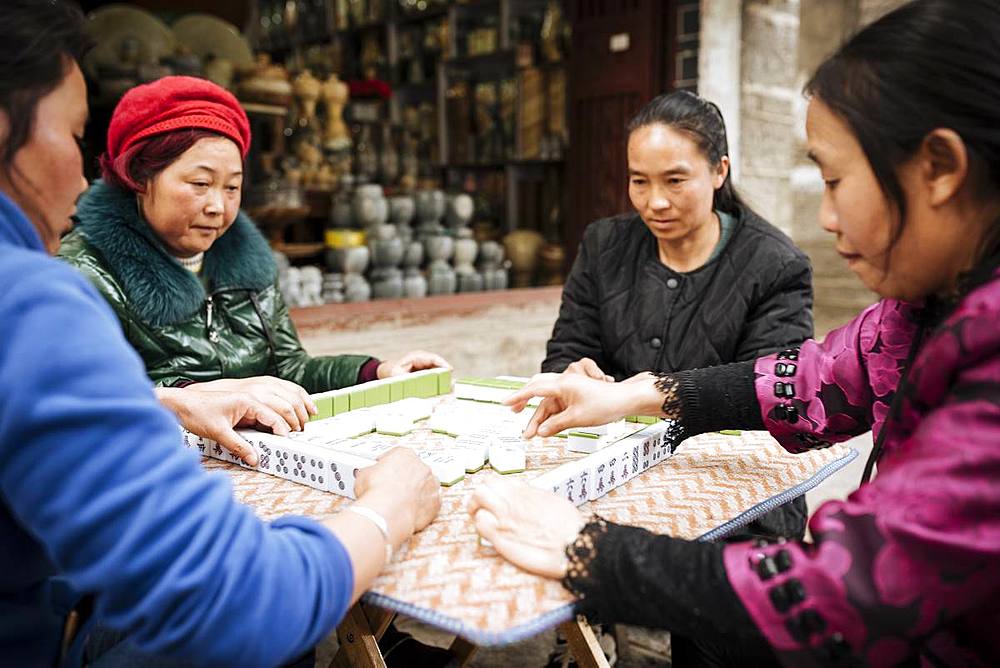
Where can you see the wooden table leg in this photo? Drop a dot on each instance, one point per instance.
(583, 644)
(358, 646)
(623, 646)
(378, 619)
(463, 650)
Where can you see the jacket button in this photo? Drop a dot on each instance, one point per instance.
(672, 283)
(766, 568)
(787, 595)
(655, 342)
(783, 560)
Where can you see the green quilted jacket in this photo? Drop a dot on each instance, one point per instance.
(232, 323)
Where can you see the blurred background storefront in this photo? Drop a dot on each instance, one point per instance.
(414, 161)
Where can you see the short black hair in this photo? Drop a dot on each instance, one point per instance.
(38, 39)
(929, 64)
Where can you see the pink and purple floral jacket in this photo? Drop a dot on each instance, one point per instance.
(909, 563)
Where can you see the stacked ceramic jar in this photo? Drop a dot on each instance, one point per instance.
(438, 244)
(460, 210)
(402, 209)
(347, 255)
(492, 266)
(439, 257)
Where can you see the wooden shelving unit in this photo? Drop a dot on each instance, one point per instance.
(488, 44)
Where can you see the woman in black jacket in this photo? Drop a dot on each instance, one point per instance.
(693, 278)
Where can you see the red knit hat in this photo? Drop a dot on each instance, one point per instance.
(175, 103)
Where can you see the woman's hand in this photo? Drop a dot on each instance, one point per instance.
(286, 398)
(573, 400)
(588, 367)
(528, 526)
(403, 490)
(214, 415)
(412, 361)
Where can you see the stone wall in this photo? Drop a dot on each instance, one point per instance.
(755, 57)
(768, 75)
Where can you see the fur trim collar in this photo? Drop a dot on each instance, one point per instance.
(159, 289)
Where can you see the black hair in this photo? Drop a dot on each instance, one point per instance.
(38, 38)
(929, 64)
(703, 122)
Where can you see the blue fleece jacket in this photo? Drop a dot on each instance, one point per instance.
(95, 486)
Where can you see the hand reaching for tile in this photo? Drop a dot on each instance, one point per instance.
(529, 527)
(588, 367)
(402, 492)
(574, 400)
(289, 400)
(214, 415)
(404, 487)
(412, 361)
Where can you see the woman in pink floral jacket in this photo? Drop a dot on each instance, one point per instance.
(904, 123)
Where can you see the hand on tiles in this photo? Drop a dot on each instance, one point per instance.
(414, 360)
(215, 415)
(529, 527)
(571, 400)
(284, 397)
(402, 489)
(588, 367)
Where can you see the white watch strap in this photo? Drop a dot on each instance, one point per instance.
(379, 522)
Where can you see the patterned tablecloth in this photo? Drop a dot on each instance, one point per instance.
(714, 484)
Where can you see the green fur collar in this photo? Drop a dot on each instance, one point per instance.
(159, 289)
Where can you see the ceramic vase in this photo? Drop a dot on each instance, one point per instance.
(369, 206)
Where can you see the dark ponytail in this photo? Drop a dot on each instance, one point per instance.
(929, 64)
(703, 122)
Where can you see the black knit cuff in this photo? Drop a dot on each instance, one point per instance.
(718, 397)
(629, 575)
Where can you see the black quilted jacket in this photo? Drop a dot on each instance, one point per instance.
(625, 310)
(628, 312)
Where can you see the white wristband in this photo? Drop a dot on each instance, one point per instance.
(379, 522)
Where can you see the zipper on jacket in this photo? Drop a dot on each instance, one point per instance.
(271, 348)
(213, 335)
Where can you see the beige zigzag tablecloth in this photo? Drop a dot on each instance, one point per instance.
(714, 483)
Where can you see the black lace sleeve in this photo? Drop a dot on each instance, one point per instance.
(718, 397)
(628, 575)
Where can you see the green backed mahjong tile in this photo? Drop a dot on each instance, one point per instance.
(356, 399)
(411, 386)
(631, 418)
(341, 403)
(730, 432)
(377, 396)
(472, 380)
(444, 381)
(427, 386)
(396, 390)
(584, 434)
(495, 383)
(453, 482)
(646, 419)
(501, 472)
(324, 407)
(504, 384)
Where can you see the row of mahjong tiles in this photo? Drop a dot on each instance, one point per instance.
(328, 453)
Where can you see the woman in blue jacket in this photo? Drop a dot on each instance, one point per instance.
(94, 484)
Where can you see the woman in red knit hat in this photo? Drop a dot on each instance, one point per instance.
(191, 279)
